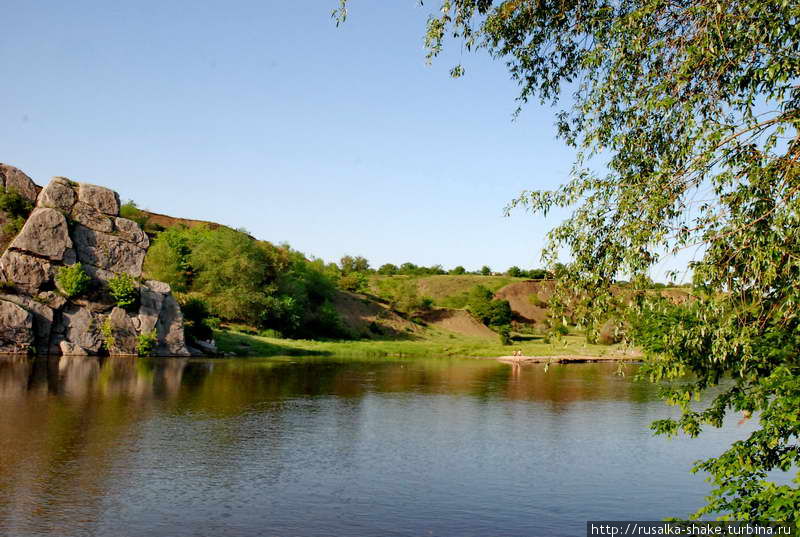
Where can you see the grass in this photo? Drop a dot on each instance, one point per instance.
(434, 343)
(445, 289)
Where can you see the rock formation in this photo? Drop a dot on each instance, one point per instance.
(79, 223)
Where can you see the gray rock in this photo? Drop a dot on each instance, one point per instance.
(108, 251)
(170, 330)
(11, 177)
(103, 199)
(130, 231)
(151, 299)
(85, 214)
(45, 234)
(27, 273)
(81, 328)
(58, 194)
(208, 347)
(51, 299)
(125, 336)
(71, 349)
(16, 329)
(158, 287)
(42, 319)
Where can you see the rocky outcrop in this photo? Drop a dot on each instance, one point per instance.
(80, 223)
(11, 177)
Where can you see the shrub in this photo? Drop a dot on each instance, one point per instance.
(196, 320)
(131, 211)
(14, 204)
(486, 271)
(505, 334)
(72, 280)
(124, 289)
(146, 343)
(514, 272)
(458, 270)
(13, 226)
(354, 281)
(107, 331)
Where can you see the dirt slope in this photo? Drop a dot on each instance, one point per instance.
(458, 322)
(528, 299)
(359, 312)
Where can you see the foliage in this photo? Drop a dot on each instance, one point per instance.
(131, 211)
(458, 270)
(146, 343)
(354, 281)
(14, 204)
(196, 320)
(245, 280)
(486, 271)
(484, 307)
(124, 289)
(388, 269)
(72, 280)
(167, 258)
(16, 207)
(107, 332)
(693, 108)
(504, 332)
(349, 264)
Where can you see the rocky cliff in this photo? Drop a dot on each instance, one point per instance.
(79, 223)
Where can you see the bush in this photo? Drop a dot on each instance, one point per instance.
(486, 271)
(14, 204)
(124, 289)
(482, 305)
(354, 281)
(146, 343)
(131, 211)
(196, 325)
(72, 280)
(505, 334)
(107, 331)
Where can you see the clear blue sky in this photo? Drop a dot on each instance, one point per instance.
(264, 115)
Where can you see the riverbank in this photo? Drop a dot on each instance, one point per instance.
(533, 348)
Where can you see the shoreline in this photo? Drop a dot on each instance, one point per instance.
(567, 358)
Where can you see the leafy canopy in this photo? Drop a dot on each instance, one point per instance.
(692, 106)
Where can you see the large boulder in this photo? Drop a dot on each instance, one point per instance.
(44, 234)
(11, 177)
(123, 333)
(169, 329)
(42, 318)
(90, 217)
(79, 222)
(58, 194)
(25, 272)
(80, 328)
(108, 252)
(103, 199)
(16, 329)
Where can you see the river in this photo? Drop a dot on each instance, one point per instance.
(335, 446)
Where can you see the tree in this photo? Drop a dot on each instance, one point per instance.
(486, 271)
(693, 107)
(514, 272)
(458, 270)
(350, 264)
(388, 269)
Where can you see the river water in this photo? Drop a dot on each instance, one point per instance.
(335, 446)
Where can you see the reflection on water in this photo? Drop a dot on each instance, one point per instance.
(333, 446)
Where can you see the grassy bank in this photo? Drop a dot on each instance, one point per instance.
(432, 344)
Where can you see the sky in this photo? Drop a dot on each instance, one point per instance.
(264, 115)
